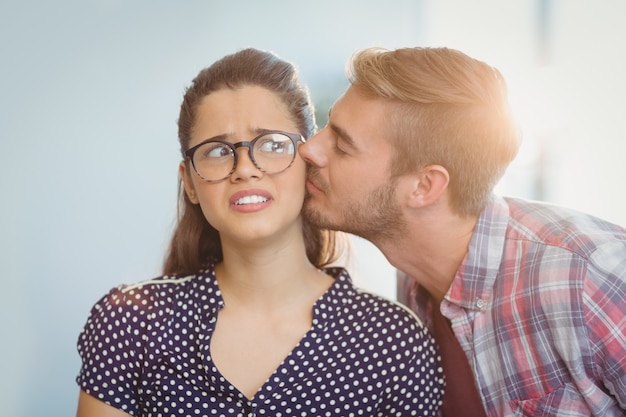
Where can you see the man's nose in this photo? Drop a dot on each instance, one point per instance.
(315, 149)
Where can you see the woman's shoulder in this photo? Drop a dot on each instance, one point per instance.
(374, 325)
(387, 310)
(133, 312)
(156, 292)
(137, 303)
(165, 288)
(370, 305)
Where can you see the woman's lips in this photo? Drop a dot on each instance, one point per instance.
(250, 200)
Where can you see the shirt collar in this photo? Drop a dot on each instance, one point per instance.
(333, 302)
(327, 307)
(216, 302)
(472, 287)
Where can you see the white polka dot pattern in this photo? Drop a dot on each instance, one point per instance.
(145, 350)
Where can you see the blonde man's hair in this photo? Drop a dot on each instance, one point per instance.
(445, 109)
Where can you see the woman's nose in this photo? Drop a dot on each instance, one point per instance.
(245, 168)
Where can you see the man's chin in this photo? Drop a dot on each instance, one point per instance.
(315, 215)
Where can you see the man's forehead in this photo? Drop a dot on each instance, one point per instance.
(360, 121)
(344, 109)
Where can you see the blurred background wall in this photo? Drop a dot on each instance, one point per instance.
(89, 97)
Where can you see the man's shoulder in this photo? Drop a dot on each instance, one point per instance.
(560, 226)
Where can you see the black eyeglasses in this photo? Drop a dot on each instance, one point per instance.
(271, 152)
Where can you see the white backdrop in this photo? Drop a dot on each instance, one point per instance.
(89, 97)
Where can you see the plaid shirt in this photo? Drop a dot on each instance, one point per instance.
(539, 307)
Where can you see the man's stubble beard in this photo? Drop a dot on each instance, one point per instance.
(377, 218)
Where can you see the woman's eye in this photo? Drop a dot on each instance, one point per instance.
(271, 146)
(216, 151)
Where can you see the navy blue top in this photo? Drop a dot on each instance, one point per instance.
(145, 349)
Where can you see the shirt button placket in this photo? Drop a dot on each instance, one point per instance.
(250, 409)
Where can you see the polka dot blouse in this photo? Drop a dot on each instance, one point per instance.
(145, 349)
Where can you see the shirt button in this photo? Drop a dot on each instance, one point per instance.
(480, 304)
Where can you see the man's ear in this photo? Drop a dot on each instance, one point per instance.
(427, 186)
(187, 183)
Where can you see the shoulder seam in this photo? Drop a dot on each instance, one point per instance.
(157, 281)
(396, 303)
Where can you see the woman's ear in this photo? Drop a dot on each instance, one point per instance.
(427, 186)
(187, 183)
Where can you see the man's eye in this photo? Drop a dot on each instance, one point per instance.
(339, 150)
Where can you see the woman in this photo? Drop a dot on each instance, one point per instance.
(244, 321)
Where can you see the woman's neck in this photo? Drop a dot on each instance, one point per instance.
(269, 276)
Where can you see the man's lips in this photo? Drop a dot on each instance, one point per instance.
(314, 181)
(311, 187)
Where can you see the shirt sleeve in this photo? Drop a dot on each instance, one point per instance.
(110, 348)
(417, 383)
(605, 306)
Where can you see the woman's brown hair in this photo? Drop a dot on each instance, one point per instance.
(194, 240)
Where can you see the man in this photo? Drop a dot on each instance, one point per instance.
(526, 300)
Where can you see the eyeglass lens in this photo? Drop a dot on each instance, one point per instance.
(271, 153)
